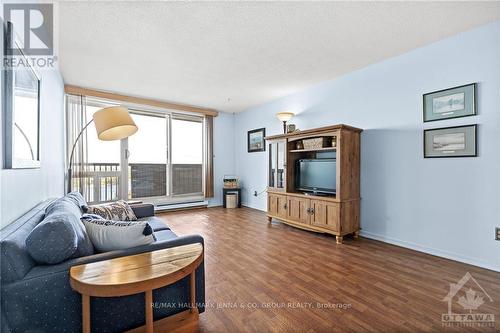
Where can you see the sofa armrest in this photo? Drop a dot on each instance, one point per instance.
(143, 210)
(184, 240)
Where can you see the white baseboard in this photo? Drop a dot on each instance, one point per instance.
(253, 207)
(428, 250)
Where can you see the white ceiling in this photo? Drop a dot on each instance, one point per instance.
(233, 55)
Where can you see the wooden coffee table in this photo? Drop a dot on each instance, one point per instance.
(141, 273)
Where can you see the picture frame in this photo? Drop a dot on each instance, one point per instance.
(256, 141)
(21, 105)
(450, 103)
(455, 141)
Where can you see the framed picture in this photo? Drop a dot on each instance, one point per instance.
(21, 104)
(450, 103)
(255, 140)
(457, 141)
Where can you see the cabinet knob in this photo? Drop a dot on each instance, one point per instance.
(285, 206)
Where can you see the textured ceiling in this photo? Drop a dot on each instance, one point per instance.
(233, 55)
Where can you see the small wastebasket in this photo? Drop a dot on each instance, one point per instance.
(231, 200)
(229, 194)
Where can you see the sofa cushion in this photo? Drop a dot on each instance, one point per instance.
(108, 235)
(78, 199)
(116, 211)
(54, 239)
(67, 205)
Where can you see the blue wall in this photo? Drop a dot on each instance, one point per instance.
(448, 207)
(223, 153)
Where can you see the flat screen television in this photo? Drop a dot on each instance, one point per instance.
(316, 176)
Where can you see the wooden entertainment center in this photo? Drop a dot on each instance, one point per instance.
(336, 214)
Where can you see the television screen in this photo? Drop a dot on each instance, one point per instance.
(318, 175)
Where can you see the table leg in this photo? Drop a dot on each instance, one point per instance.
(193, 291)
(85, 313)
(149, 311)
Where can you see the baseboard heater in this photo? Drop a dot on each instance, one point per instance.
(180, 205)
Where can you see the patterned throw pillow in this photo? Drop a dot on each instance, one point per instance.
(107, 235)
(116, 211)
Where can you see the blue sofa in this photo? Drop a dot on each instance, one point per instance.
(38, 298)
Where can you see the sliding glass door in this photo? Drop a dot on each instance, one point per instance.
(163, 161)
(147, 158)
(187, 155)
(165, 156)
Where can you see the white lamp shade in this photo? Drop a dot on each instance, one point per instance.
(284, 116)
(114, 123)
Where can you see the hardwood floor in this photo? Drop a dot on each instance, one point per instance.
(275, 278)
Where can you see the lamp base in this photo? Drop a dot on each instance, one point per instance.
(284, 127)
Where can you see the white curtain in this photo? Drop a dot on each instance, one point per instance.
(76, 119)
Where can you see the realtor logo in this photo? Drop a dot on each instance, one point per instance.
(469, 299)
(33, 26)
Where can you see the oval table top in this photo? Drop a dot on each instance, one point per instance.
(136, 273)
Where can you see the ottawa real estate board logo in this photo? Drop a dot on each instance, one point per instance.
(464, 300)
(29, 33)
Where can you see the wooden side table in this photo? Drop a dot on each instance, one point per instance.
(141, 273)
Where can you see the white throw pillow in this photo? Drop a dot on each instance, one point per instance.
(107, 235)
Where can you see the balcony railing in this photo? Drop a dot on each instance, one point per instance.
(100, 182)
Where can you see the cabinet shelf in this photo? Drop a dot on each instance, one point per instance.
(312, 196)
(318, 149)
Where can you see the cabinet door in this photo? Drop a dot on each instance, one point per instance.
(273, 159)
(325, 214)
(298, 209)
(276, 205)
(281, 165)
(277, 165)
(272, 204)
(282, 206)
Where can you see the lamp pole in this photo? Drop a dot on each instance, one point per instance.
(70, 164)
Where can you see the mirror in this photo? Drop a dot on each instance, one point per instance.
(21, 107)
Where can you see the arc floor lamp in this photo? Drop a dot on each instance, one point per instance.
(112, 123)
